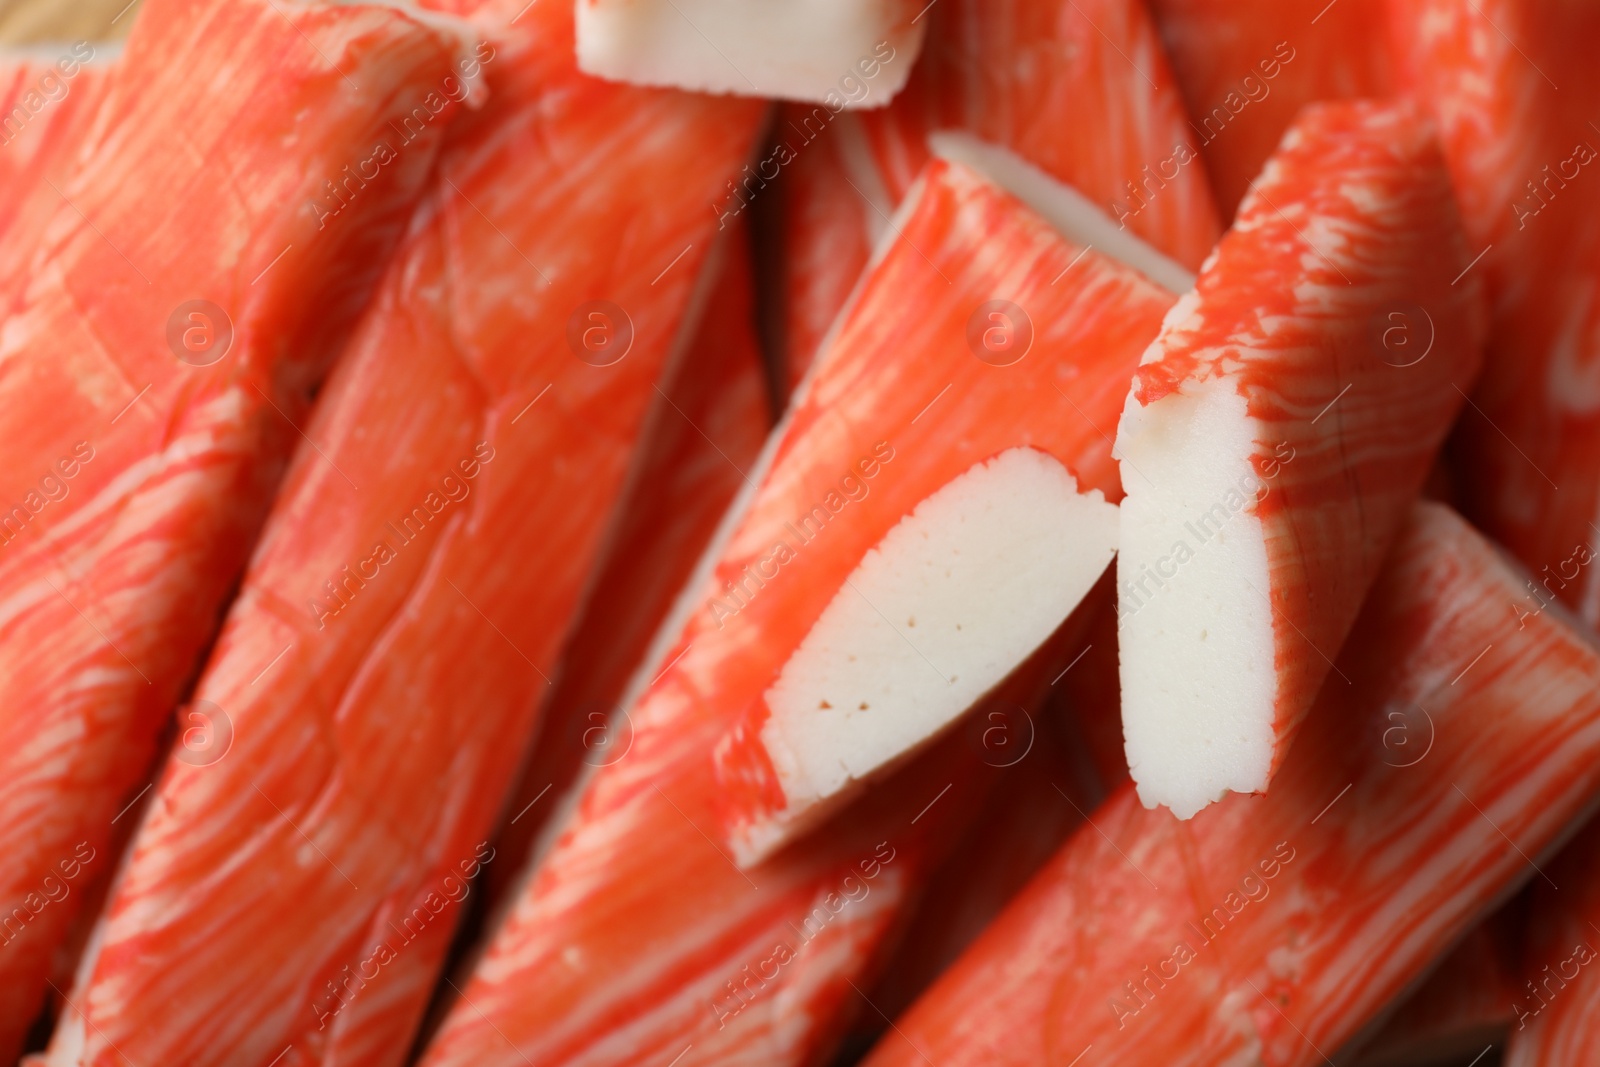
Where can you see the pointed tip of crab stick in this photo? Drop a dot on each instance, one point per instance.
(1074, 215)
(1276, 433)
(981, 572)
(843, 53)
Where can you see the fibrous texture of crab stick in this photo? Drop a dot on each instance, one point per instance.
(1558, 996)
(1274, 439)
(1247, 67)
(715, 414)
(1465, 1005)
(841, 53)
(596, 964)
(1081, 91)
(1512, 83)
(382, 666)
(46, 95)
(163, 331)
(1267, 928)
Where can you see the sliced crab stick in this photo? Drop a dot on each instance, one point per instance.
(838, 53)
(960, 564)
(46, 96)
(1275, 436)
(162, 334)
(1247, 67)
(294, 894)
(711, 421)
(1513, 84)
(1080, 90)
(1270, 930)
(630, 930)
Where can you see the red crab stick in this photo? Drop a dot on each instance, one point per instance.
(1513, 83)
(1079, 89)
(707, 434)
(1274, 439)
(1247, 67)
(45, 95)
(1557, 1003)
(382, 665)
(629, 930)
(1269, 928)
(965, 558)
(162, 332)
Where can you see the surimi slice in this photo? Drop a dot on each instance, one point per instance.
(1275, 436)
(638, 917)
(842, 53)
(1270, 930)
(141, 456)
(986, 554)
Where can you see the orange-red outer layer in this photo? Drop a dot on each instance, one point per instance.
(299, 892)
(1336, 307)
(134, 482)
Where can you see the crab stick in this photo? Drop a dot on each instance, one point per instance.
(1269, 928)
(1512, 84)
(1275, 436)
(621, 946)
(1466, 1004)
(46, 94)
(381, 668)
(1247, 67)
(1557, 1001)
(162, 335)
(714, 416)
(835, 53)
(1080, 90)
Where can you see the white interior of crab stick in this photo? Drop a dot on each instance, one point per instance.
(1194, 622)
(953, 598)
(846, 53)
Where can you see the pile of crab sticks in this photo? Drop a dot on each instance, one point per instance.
(673, 533)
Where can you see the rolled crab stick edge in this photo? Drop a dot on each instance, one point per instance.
(841, 53)
(981, 568)
(1274, 437)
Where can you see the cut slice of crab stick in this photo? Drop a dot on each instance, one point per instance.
(1557, 1002)
(46, 95)
(1080, 90)
(382, 666)
(956, 569)
(1247, 67)
(1512, 83)
(836, 53)
(162, 335)
(1270, 927)
(715, 414)
(620, 947)
(1276, 434)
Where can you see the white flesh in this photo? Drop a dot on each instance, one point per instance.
(1072, 214)
(843, 53)
(1194, 623)
(952, 599)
